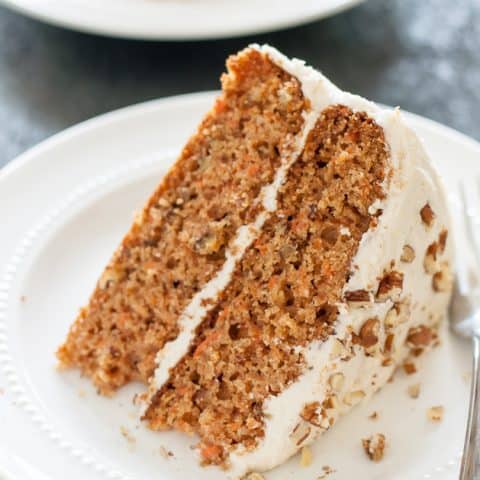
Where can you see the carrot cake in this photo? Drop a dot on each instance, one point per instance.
(295, 254)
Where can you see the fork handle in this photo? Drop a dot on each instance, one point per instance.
(470, 469)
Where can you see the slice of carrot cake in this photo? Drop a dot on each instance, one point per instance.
(295, 254)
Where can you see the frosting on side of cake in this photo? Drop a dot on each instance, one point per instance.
(338, 370)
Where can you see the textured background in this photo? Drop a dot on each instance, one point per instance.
(421, 55)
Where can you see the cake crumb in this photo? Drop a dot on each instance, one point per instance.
(81, 392)
(409, 368)
(306, 457)
(23, 298)
(326, 472)
(254, 476)
(126, 433)
(374, 446)
(435, 414)
(165, 453)
(414, 390)
(373, 416)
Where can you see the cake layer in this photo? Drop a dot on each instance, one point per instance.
(284, 292)
(180, 240)
(349, 275)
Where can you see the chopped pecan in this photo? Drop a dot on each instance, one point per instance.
(408, 254)
(389, 343)
(420, 336)
(357, 297)
(441, 281)
(430, 260)
(427, 214)
(374, 446)
(390, 285)
(368, 335)
(442, 240)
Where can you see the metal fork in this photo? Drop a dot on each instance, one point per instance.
(465, 316)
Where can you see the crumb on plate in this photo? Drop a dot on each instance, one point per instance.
(374, 446)
(414, 390)
(306, 457)
(126, 433)
(435, 414)
(409, 368)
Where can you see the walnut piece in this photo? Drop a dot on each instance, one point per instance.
(374, 446)
(427, 214)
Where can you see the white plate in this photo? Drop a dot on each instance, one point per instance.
(178, 19)
(64, 206)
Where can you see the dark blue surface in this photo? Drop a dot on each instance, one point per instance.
(421, 55)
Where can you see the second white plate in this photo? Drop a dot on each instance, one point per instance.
(64, 207)
(178, 19)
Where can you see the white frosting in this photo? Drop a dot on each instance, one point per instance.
(413, 183)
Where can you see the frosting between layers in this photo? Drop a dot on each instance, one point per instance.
(413, 183)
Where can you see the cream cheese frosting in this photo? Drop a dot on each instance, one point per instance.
(413, 183)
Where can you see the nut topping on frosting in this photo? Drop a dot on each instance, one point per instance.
(357, 298)
(441, 280)
(430, 260)
(427, 214)
(390, 286)
(408, 254)
(420, 336)
(368, 336)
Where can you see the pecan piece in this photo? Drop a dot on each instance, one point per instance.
(427, 214)
(390, 286)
